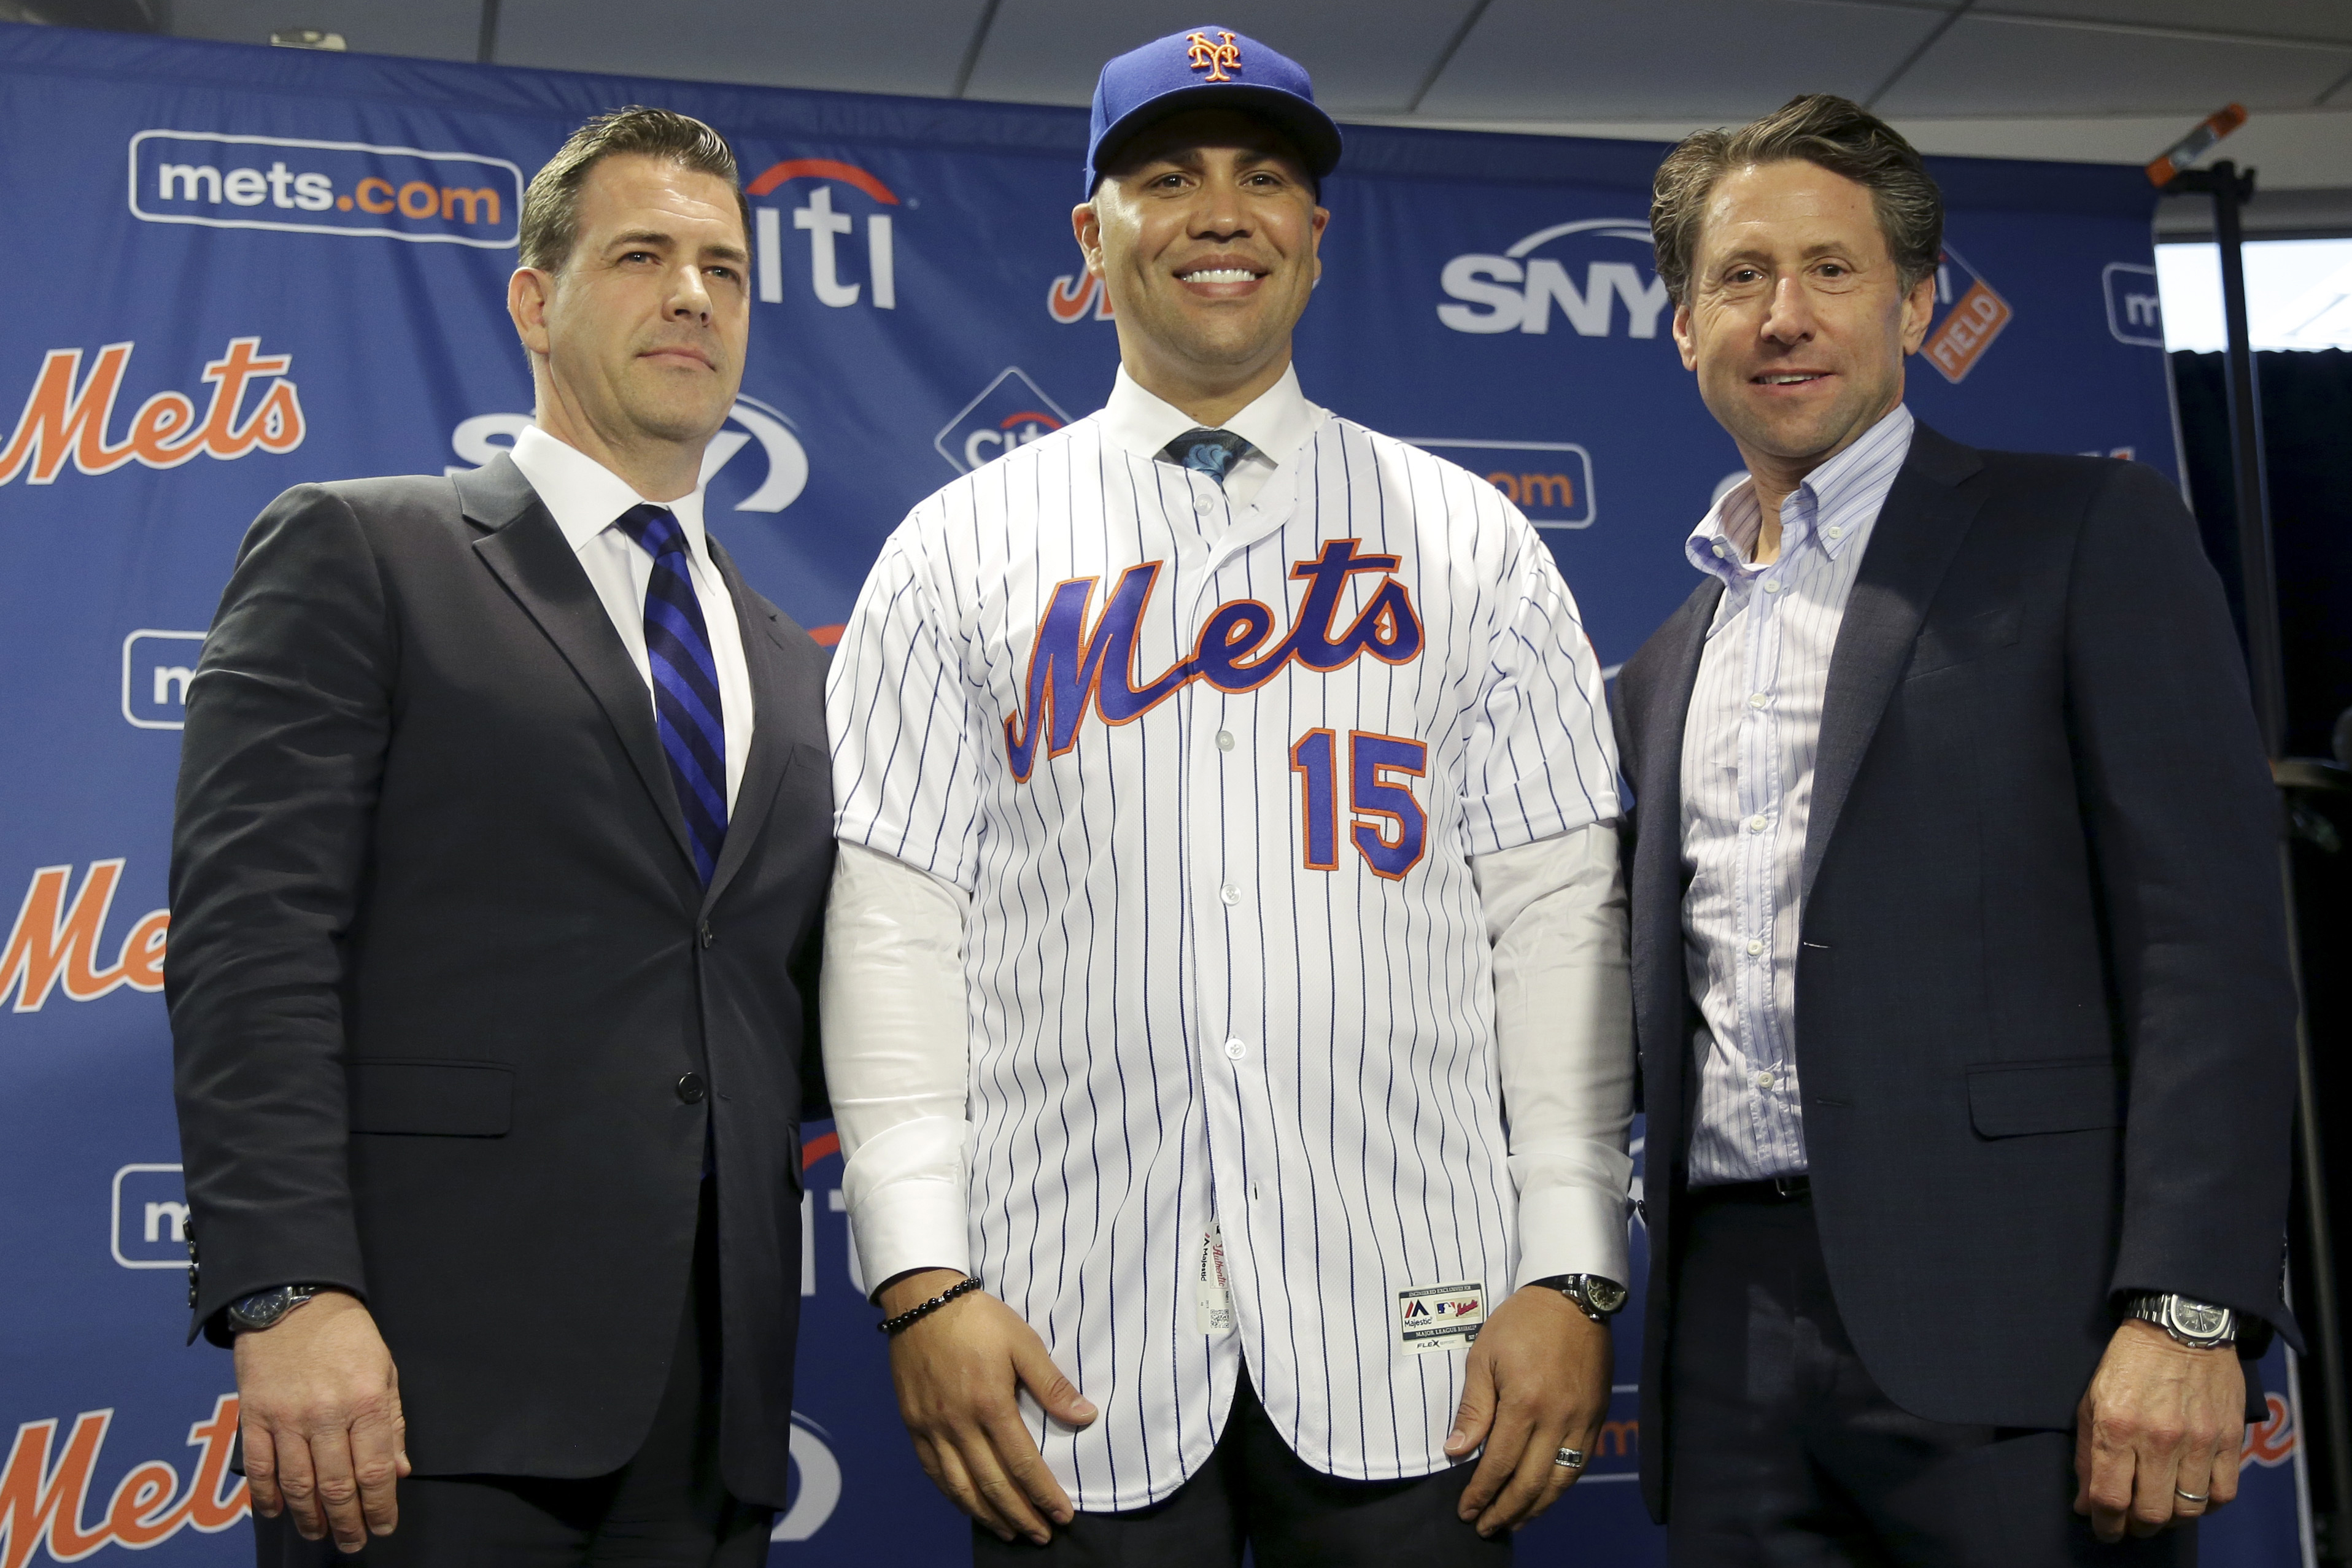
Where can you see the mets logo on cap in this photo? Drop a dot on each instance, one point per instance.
(1214, 58)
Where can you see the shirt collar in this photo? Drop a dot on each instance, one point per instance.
(1850, 487)
(586, 498)
(1278, 422)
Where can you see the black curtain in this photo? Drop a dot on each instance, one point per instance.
(2308, 435)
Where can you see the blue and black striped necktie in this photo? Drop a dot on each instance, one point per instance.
(686, 683)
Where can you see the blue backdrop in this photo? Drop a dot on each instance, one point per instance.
(239, 268)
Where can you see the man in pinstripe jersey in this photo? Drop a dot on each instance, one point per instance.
(1225, 963)
(1958, 958)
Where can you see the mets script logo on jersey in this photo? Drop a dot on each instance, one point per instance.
(1214, 58)
(1073, 667)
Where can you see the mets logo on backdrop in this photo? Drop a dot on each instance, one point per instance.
(1214, 58)
(68, 414)
(1973, 320)
(325, 187)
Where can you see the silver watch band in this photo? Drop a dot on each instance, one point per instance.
(2201, 1325)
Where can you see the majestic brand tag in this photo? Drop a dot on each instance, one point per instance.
(1440, 1317)
(1215, 1298)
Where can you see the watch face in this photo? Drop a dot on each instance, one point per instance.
(1606, 1295)
(2198, 1319)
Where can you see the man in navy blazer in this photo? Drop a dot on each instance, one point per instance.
(1958, 956)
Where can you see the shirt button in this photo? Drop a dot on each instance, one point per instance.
(1721, 552)
(1757, 823)
(1773, 586)
(1837, 533)
(1235, 1050)
(690, 1089)
(1230, 893)
(1756, 699)
(1204, 505)
(1764, 1080)
(1754, 947)
(1224, 740)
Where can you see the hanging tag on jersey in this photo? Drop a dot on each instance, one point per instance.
(1440, 1317)
(1214, 1297)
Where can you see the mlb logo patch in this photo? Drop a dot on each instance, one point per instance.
(1440, 1317)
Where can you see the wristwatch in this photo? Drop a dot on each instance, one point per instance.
(1597, 1296)
(2199, 1325)
(264, 1308)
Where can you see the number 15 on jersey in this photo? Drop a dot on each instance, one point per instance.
(1389, 827)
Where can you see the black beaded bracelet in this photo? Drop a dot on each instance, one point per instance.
(916, 1313)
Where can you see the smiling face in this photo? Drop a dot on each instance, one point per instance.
(637, 342)
(1797, 320)
(1205, 234)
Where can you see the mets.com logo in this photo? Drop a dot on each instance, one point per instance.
(325, 187)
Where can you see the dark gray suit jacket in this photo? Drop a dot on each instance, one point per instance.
(2044, 1020)
(440, 959)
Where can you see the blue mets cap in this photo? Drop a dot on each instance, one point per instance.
(1208, 68)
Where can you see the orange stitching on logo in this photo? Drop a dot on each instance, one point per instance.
(1214, 58)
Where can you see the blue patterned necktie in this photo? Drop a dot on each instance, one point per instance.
(1210, 452)
(686, 683)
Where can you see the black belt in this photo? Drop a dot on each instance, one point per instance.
(1797, 1188)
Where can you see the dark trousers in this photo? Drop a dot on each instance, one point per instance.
(666, 1508)
(1255, 1490)
(1783, 1451)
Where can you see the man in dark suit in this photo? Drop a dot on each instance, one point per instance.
(1959, 964)
(503, 829)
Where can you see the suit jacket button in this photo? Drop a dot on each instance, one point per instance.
(690, 1089)
(704, 935)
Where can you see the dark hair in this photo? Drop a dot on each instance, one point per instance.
(550, 207)
(1835, 134)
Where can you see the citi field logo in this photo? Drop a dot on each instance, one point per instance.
(325, 187)
(1011, 411)
(68, 414)
(45, 1502)
(1973, 317)
(57, 941)
(783, 468)
(826, 228)
(1520, 290)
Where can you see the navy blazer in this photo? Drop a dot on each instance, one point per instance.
(2044, 1023)
(441, 963)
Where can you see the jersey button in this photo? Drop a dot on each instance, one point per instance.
(1204, 505)
(1235, 1050)
(690, 1089)
(1224, 740)
(1230, 893)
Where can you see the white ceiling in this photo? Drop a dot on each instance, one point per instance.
(2107, 79)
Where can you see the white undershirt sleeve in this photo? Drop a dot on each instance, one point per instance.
(1556, 914)
(897, 1056)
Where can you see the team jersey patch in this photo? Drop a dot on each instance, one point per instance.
(1440, 1317)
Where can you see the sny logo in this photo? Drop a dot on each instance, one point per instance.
(480, 439)
(1517, 291)
(66, 416)
(824, 227)
(1011, 411)
(325, 187)
(1214, 58)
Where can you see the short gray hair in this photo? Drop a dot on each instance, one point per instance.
(550, 207)
(1819, 128)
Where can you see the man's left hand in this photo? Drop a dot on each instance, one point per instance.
(1536, 1381)
(2160, 1419)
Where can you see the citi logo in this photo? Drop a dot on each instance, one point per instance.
(325, 187)
(825, 228)
(68, 414)
(750, 423)
(1011, 411)
(57, 941)
(1518, 290)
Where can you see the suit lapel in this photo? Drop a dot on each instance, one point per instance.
(529, 554)
(1918, 531)
(771, 752)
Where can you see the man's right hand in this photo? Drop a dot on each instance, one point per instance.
(319, 1406)
(959, 1372)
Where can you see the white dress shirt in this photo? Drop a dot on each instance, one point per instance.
(1748, 791)
(586, 499)
(1092, 1007)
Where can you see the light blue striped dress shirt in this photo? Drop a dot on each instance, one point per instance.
(1747, 786)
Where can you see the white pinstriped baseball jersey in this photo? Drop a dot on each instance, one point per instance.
(1212, 775)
